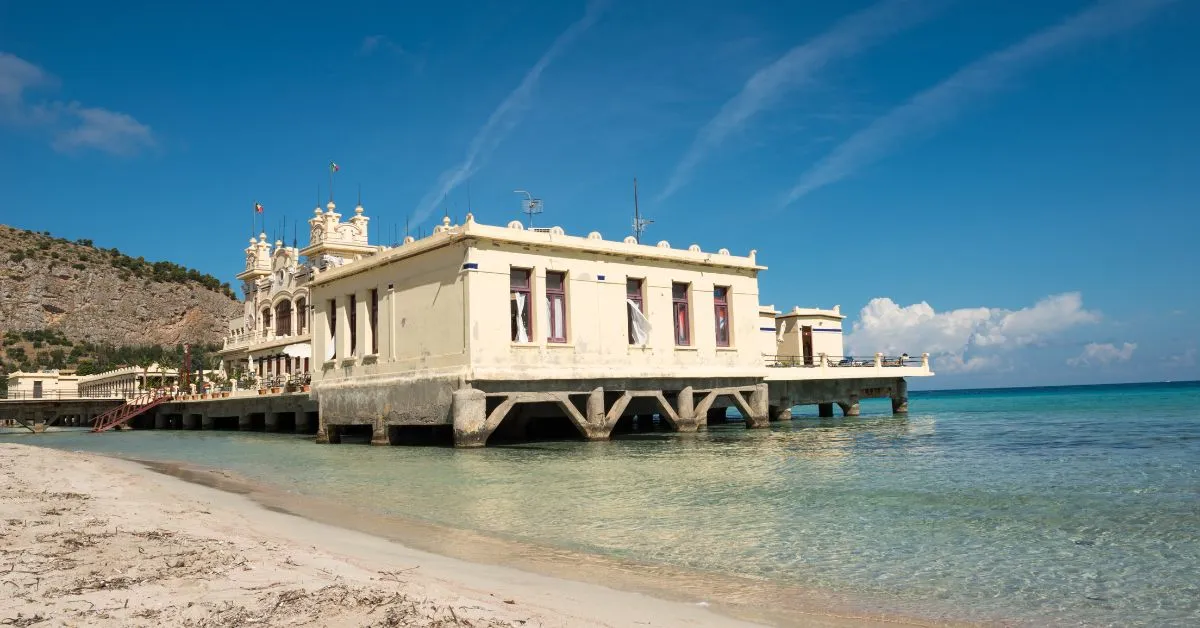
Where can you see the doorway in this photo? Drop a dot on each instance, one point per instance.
(806, 339)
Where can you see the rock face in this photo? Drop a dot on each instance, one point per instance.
(97, 295)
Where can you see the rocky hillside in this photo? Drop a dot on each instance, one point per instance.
(103, 296)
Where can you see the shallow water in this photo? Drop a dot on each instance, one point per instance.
(1071, 506)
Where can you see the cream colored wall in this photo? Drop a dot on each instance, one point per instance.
(828, 341)
(53, 384)
(597, 328)
(767, 331)
(421, 318)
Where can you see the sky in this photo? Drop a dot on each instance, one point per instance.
(1011, 187)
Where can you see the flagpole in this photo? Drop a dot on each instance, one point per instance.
(331, 182)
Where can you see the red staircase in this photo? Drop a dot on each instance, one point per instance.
(122, 414)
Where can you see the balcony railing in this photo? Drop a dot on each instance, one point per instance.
(822, 360)
(50, 395)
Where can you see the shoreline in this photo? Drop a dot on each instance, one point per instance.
(617, 593)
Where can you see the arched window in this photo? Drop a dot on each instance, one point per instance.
(283, 318)
(266, 319)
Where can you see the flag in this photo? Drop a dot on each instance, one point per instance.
(258, 208)
(333, 167)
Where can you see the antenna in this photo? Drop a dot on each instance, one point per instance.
(639, 223)
(532, 206)
(360, 194)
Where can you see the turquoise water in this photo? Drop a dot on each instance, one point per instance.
(1067, 506)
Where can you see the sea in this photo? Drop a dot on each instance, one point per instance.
(1065, 506)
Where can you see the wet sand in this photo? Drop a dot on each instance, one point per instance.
(96, 540)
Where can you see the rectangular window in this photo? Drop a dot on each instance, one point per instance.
(374, 320)
(331, 351)
(556, 306)
(721, 314)
(519, 304)
(352, 317)
(635, 312)
(681, 314)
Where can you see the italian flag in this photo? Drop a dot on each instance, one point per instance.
(333, 167)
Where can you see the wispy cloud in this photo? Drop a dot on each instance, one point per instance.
(1096, 354)
(72, 126)
(100, 129)
(938, 105)
(796, 67)
(505, 117)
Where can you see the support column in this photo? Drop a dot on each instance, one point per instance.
(782, 412)
(207, 422)
(900, 397)
(685, 407)
(160, 421)
(301, 421)
(759, 415)
(379, 433)
(245, 423)
(271, 421)
(849, 408)
(825, 410)
(469, 411)
(597, 421)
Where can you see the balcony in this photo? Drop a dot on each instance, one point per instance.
(822, 366)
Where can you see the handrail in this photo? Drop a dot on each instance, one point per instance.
(822, 360)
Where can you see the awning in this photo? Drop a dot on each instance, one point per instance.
(298, 350)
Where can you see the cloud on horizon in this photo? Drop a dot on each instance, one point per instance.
(1096, 354)
(966, 339)
(74, 127)
(849, 36)
(505, 117)
(938, 105)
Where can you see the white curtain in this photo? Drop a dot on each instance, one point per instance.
(522, 333)
(558, 320)
(640, 324)
(329, 346)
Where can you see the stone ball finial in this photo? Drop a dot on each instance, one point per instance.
(722, 251)
(663, 244)
(695, 248)
(409, 239)
(331, 207)
(445, 221)
(470, 218)
(253, 241)
(278, 243)
(317, 211)
(358, 210)
(262, 237)
(753, 253)
(595, 235)
(557, 231)
(516, 224)
(630, 240)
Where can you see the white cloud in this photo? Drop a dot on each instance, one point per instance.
(937, 105)
(74, 126)
(847, 37)
(505, 117)
(966, 339)
(1096, 354)
(104, 130)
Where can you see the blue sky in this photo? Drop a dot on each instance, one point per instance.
(1011, 189)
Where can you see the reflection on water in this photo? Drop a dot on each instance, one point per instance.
(1067, 507)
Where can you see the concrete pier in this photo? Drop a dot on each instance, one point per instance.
(900, 398)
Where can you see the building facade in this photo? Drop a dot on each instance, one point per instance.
(477, 326)
(271, 342)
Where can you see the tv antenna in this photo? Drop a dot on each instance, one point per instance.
(639, 223)
(530, 206)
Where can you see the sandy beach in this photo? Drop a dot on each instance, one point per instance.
(92, 540)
